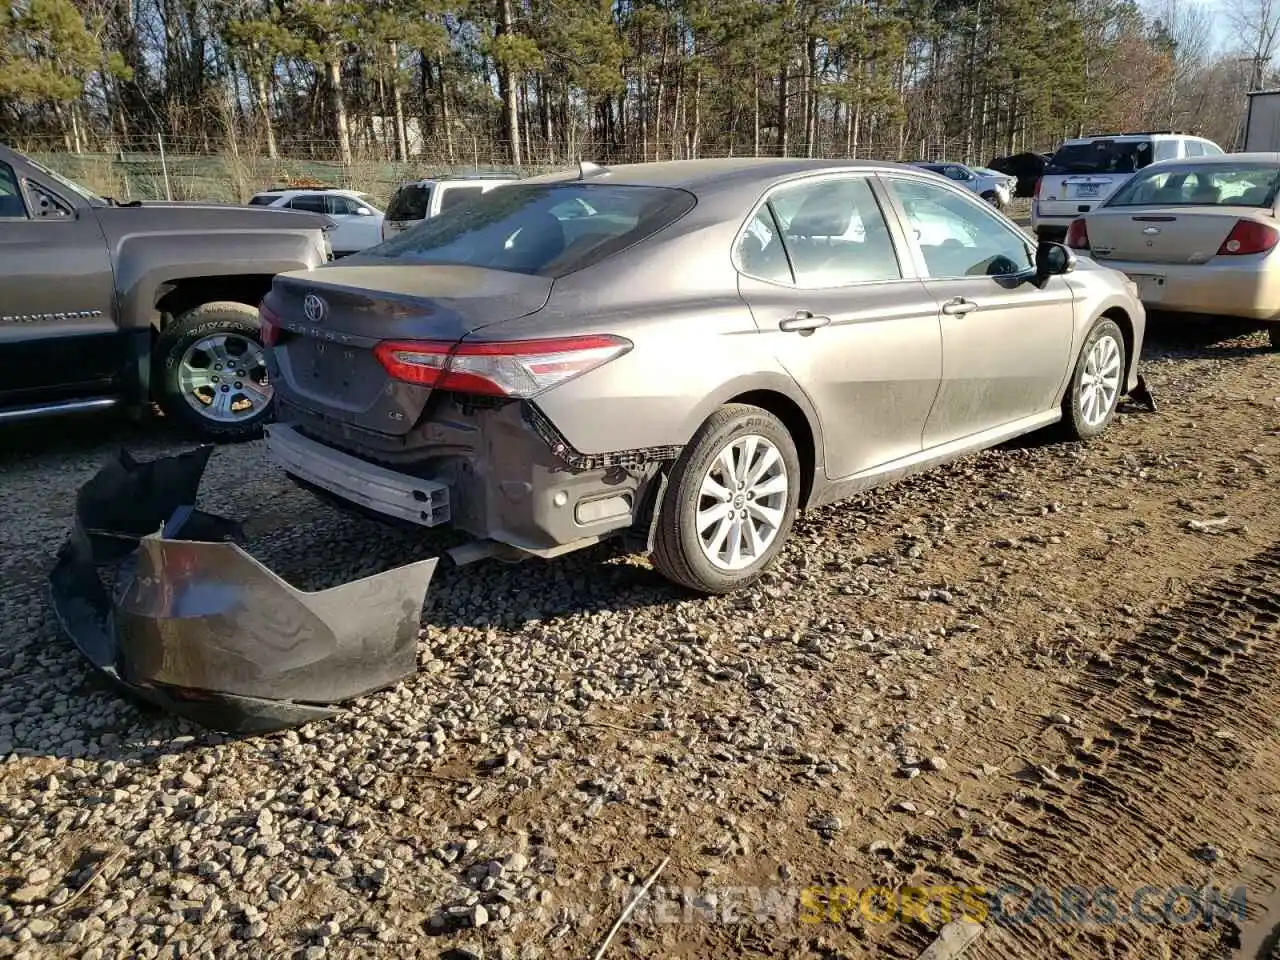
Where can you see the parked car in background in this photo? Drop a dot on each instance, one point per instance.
(422, 199)
(104, 304)
(1196, 236)
(995, 188)
(357, 219)
(1027, 167)
(1087, 170)
(685, 352)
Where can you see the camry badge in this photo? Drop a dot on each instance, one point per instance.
(315, 308)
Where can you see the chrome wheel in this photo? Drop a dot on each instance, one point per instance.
(742, 503)
(224, 378)
(1100, 381)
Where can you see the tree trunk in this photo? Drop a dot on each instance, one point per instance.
(507, 85)
(784, 112)
(397, 105)
(697, 116)
(755, 111)
(811, 98)
(262, 95)
(338, 104)
(446, 122)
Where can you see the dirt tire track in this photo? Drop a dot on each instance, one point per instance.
(1210, 664)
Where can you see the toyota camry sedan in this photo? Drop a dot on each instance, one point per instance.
(685, 354)
(1197, 236)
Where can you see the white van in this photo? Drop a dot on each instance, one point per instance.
(1087, 170)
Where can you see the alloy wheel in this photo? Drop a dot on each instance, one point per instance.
(742, 502)
(224, 378)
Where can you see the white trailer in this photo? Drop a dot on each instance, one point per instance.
(1262, 122)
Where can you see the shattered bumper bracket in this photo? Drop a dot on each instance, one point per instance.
(162, 599)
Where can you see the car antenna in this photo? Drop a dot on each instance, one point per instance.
(588, 169)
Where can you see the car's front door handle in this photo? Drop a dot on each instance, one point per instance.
(803, 322)
(958, 307)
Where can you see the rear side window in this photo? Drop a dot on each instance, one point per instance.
(528, 229)
(12, 206)
(311, 204)
(262, 200)
(410, 202)
(1101, 156)
(1195, 148)
(343, 206)
(456, 196)
(1212, 149)
(1166, 149)
(833, 232)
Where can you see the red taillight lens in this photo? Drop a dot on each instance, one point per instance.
(1078, 235)
(270, 324)
(1035, 191)
(1248, 236)
(517, 368)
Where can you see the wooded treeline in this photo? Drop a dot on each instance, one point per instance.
(550, 80)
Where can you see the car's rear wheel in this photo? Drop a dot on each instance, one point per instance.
(730, 502)
(210, 372)
(1097, 384)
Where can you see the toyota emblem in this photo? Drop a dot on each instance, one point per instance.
(1150, 231)
(315, 308)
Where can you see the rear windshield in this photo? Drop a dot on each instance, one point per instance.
(1101, 156)
(1212, 185)
(540, 229)
(409, 203)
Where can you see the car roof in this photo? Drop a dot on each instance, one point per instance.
(1218, 158)
(716, 173)
(344, 191)
(458, 178)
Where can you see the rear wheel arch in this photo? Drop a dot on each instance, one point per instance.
(173, 298)
(798, 425)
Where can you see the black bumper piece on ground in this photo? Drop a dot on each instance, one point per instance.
(187, 620)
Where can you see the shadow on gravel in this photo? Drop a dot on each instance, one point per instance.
(1192, 336)
(87, 436)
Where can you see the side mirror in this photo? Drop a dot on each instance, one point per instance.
(1053, 260)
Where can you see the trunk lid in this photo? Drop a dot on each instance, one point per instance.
(332, 318)
(1162, 235)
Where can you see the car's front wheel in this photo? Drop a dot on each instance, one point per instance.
(730, 502)
(210, 372)
(1097, 383)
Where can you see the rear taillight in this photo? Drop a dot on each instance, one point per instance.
(270, 321)
(517, 368)
(1078, 234)
(1248, 236)
(1035, 192)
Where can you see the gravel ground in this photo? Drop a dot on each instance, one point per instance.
(919, 677)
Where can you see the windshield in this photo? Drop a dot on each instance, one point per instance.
(539, 229)
(409, 203)
(1101, 156)
(1216, 185)
(69, 184)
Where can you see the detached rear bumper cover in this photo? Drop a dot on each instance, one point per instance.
(194, 624)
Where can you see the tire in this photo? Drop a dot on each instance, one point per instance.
(678, 551)
(1076, 423)
(1275, 336)
(993, 198)
(179, 340)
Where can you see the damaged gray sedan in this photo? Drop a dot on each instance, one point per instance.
(688, 353)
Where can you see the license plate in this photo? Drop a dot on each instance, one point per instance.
(1087, 189)
(1150, 287)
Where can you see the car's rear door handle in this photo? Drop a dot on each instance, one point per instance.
(958, 307)
(803, 322)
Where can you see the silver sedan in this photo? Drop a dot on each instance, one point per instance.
(686, 354)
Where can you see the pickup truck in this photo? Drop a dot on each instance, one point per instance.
(104, 303)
